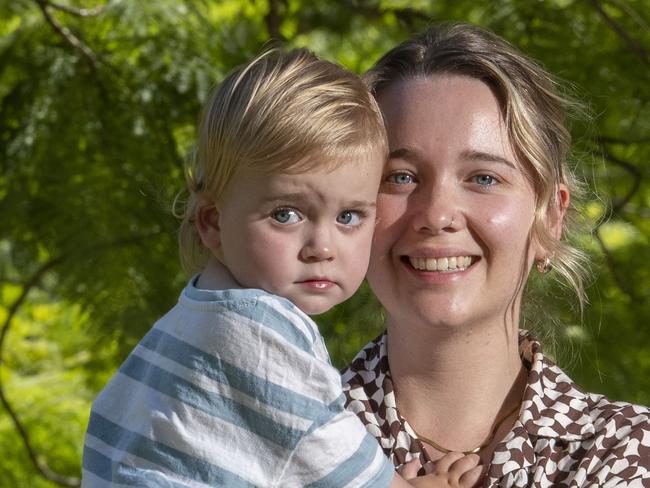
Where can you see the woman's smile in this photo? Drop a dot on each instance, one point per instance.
(448, 264)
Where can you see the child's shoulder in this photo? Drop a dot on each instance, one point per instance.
(235, 299)
(273, 316)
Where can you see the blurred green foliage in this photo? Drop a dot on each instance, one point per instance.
(97, 113)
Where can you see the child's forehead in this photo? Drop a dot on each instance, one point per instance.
(319, 175)
(354, 178)
(333, 161)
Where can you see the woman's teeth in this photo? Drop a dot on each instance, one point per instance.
(451, 263)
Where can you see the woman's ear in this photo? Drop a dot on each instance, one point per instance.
(558, 211)
(207, 224)
(554, 220)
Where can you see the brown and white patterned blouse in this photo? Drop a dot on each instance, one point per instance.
(562, 437)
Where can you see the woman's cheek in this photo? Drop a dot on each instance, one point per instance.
(499, 220)
(505, 212)
(510, 224)
(391, 209)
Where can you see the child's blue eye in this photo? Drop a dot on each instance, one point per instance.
(349, 217)
(400, 178)
(286, 216)
(485, 180)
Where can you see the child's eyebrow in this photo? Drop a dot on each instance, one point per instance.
(286, 197)
(296, 198)
(361, 204)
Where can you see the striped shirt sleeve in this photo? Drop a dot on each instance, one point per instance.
(232, 392)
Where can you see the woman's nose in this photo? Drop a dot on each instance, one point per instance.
(436, 210)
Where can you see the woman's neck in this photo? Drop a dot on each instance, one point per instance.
(454, 385)
(433, 351)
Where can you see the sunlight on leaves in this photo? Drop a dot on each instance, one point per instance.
(620, 234)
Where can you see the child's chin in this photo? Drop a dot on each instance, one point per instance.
(316, 307)
(315, 310)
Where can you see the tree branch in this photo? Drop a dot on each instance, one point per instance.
(632, 170)
(79, 12)
(67, 35)
(409, 15)
(632, 43)
(638, 18)
(622, 282)
(619, 280)
(618, 140)
(273, 20)
(40, 465)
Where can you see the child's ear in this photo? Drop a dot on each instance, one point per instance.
(207, 225)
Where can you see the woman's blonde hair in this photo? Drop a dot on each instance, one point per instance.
(285, 112)
(534, 114)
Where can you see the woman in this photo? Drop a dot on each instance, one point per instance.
(475, 194)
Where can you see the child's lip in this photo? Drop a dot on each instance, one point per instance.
(318, 283)
(316, 278)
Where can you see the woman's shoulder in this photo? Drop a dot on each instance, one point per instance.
(369, 365)
(619, 423)
(596, 441)
(612, 421)
(620, 447)
(551, 386)
(605, 410)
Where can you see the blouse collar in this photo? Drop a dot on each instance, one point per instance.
(553, 406)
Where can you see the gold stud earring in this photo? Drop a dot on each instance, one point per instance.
(544, 265)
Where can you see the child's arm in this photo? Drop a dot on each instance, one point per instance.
(454, 470)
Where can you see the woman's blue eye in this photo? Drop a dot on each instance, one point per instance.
(400, 178)
(286, 216)
(485, 180)
(349, 217)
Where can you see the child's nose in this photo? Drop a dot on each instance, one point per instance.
(317, 249)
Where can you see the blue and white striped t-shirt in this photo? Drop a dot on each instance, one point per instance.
(230, 388)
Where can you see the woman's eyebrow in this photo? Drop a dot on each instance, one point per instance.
(402, 153)
(486, 156)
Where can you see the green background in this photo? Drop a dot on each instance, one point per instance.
(97, 113)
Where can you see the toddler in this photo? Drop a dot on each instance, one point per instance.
(233, 386)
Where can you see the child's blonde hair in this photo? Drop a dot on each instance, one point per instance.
(282, 112)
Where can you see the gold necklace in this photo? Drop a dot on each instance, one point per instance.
(485, 443)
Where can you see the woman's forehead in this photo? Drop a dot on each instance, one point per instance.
(457, 112)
